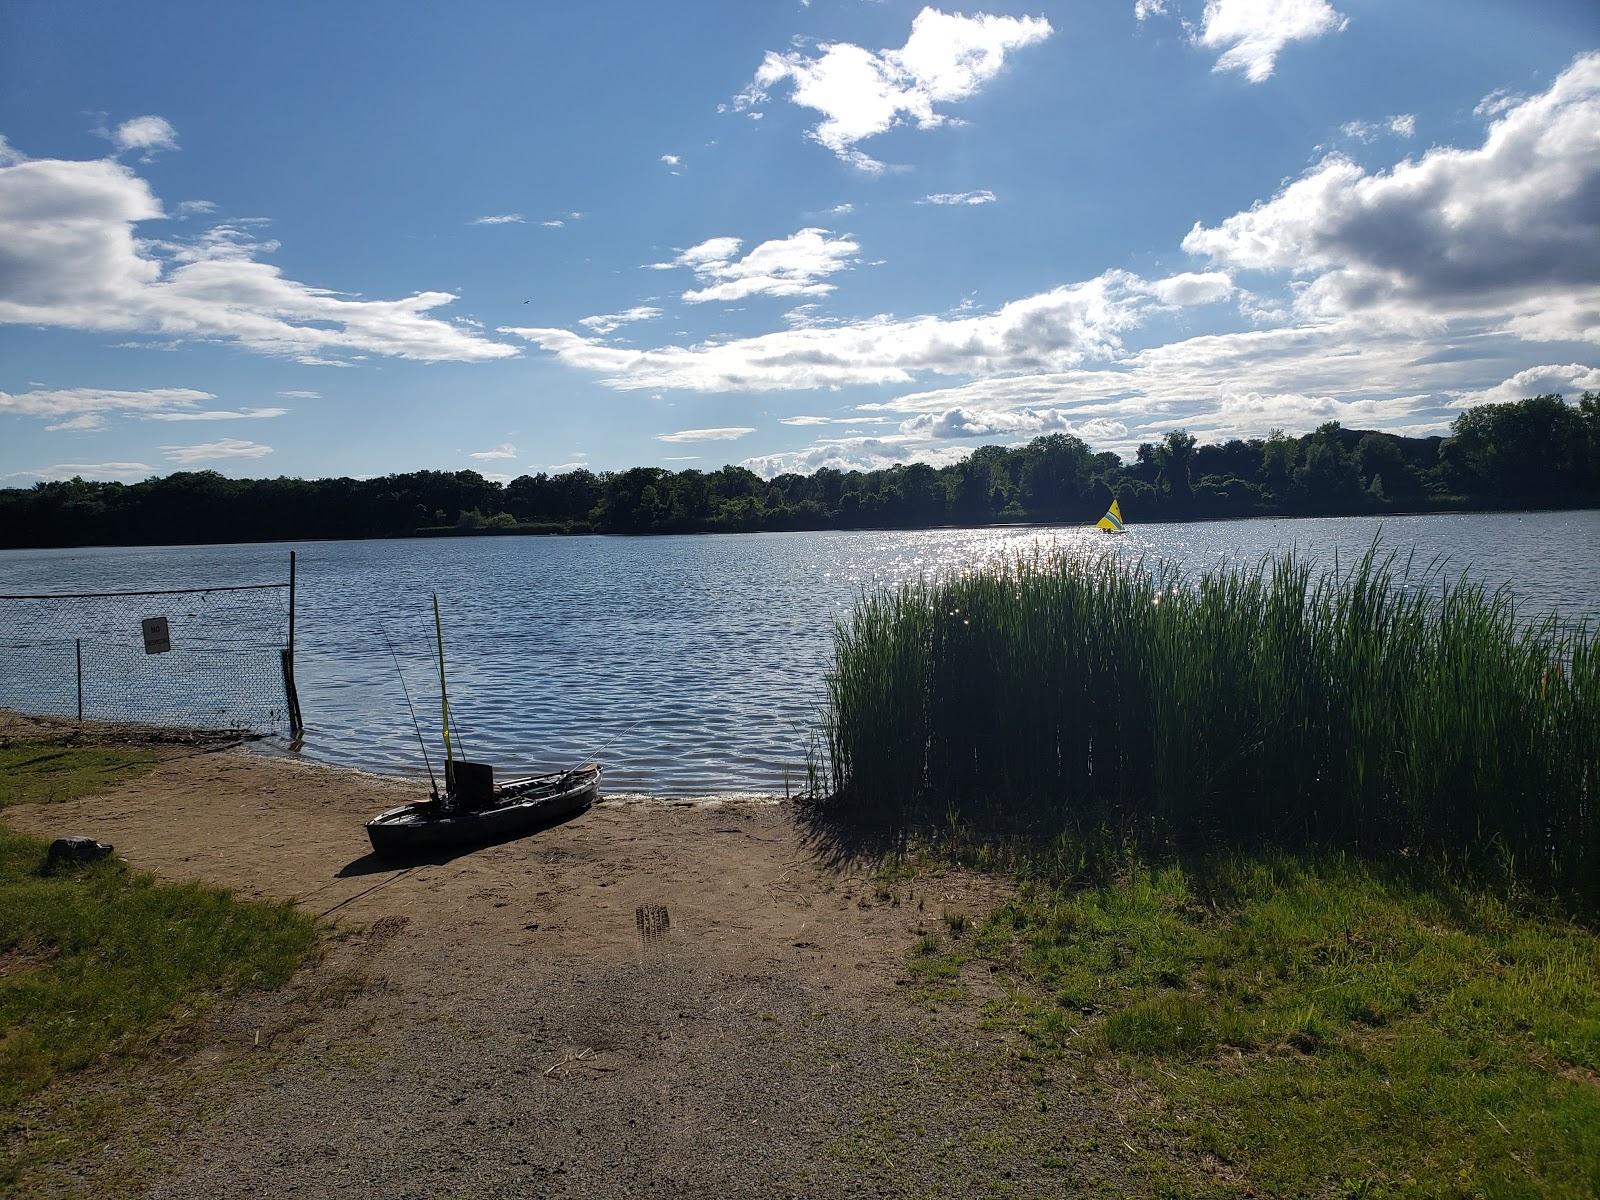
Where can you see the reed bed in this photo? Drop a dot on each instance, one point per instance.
(1372, 707)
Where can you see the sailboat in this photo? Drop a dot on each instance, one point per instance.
(473, 808)
(1112, 521)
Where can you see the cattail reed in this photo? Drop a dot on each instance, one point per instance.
(1374, 707)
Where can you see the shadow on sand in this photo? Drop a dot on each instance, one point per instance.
(372, 864)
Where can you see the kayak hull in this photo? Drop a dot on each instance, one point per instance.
(519, 807)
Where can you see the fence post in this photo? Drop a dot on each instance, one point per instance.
(78, 646)
(291, 694)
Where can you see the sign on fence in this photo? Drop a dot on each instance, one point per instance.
(157, 637)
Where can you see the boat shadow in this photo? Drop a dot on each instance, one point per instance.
(371, 863)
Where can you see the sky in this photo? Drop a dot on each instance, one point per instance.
(311, 239)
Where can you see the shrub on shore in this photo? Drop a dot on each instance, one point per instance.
(1374, 707)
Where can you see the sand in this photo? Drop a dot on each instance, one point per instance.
(658, 997)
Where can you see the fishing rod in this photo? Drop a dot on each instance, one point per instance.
(592, 756)
(432, 782)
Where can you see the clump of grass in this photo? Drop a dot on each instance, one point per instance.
(99, 957)
(1374, 708)
(1324, 1025)
(36, 774)
(98, 961)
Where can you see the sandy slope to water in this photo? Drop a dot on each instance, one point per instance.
(525, 1020)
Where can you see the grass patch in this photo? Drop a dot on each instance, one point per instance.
(38, 774)
(1320, 1027)
(98, 961)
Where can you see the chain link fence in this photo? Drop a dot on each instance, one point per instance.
(229, 662)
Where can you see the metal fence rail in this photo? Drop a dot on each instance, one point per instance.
(230, 664)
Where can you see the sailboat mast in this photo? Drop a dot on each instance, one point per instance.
(444, 696)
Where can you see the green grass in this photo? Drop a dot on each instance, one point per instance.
(34, 774)
(98, 961)
(1318, 1026)
(1392, 712)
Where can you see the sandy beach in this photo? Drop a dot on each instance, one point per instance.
(657, 997)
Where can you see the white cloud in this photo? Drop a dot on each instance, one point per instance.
(213, 451)
(1496, 102)
(556, 223)
(1250, 33)
(805, 420)
(985, 196)
(217, 414)
(499, 219)
(1508, 232)
(842, 210)
(1572, 379)
(74, 259)
(195, 208)
(1008, 423)
(791, 266)
(727, 433)
(105, 470)
(674, 163)
(856, 454)
(1143, 10)
(503, 450)
(607, 322)
(82, 423)
(1193, 287)
(1402, 125)
(948, 57)
(150, 134)
(300, 394)
(1049, 331)
(57, 403)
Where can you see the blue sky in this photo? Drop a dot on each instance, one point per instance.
(312, 240)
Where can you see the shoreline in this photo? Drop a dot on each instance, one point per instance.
(446, 535)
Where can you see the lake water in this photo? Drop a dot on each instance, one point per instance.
(688, 664)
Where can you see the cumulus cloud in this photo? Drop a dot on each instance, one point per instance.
(608, 322)
(500, 219)
(503, 450)
(985, 196)
(727, 433)
(674, 163)
(1251, 33)
(76, 252)
(1143, 10)
(1008, 423)
(1566, 380)
(948, 57)
(149, 134)
(1048, 331)
(855, 454)
(793, 266)
(1508, 232)
(215, 451)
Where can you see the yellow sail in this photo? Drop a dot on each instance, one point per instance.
(1112, 521)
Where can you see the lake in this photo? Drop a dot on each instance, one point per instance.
(687, 664)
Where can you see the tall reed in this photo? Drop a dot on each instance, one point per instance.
(1373, 707)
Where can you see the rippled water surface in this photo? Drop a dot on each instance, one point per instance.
(691, 664)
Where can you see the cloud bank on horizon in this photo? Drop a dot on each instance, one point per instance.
(1409, 266)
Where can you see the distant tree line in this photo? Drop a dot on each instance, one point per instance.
(1541, 452)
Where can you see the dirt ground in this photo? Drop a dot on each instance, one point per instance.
(668, 998)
